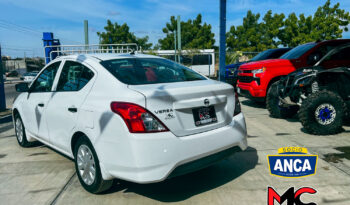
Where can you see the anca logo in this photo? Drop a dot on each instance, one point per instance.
(292, 198)
(292, 162)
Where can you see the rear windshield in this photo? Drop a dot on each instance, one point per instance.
(139, 71)
(298, 51)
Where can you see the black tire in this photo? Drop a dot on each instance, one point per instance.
(274, 107)
(308, 109)
(98, 185)
(20, 129)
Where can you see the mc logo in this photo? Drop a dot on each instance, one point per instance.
(292, 162)
(292, 198)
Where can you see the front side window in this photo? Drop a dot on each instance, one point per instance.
(74, 76)
(298, 51)
(45, 80)
(261, 56)
(139, 71)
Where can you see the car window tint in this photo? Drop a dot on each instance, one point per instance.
(45, 80)
(74, 76)
(298, 51)
(341, 55)
(138, 71)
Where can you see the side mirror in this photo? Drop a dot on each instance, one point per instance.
(22, 87)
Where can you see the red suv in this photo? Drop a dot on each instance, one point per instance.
(254, 79)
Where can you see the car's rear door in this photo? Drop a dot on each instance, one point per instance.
(37, 100)
(73, 85)
(340, 58)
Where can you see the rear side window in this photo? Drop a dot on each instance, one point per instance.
(45, 80)
(139, 71)
(341, 55)
(74, 76)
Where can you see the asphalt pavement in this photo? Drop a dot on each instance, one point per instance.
(39, 175)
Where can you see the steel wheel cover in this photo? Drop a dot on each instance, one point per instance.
(86, 164)
(19, 129)
(325, 114)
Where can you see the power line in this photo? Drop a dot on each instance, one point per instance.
(26, 30)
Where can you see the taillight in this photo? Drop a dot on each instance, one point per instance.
(237, 105)
(137, 118)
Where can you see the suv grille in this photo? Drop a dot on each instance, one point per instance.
(245, 79)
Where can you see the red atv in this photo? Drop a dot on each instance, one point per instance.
(255, 79)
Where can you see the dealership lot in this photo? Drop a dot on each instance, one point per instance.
(40, 175)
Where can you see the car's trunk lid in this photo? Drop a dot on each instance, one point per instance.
(174, 104)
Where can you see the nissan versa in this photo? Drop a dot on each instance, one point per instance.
(135, 117)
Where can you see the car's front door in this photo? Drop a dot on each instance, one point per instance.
(64, 107)
(37, 100)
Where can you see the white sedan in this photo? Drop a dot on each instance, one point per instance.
(135, 117)
(29, 77)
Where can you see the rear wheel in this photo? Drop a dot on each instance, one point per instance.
(21, 132)
(88, 168)
(322, 113)
(276, 107)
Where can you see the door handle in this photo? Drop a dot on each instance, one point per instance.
(41, 104)
(73, 109)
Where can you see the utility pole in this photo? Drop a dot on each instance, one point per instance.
(179, 38)
(222, 40)
(2, 86)
(86, 32)
(175, 45)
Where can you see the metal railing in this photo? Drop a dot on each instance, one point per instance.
(62, 50)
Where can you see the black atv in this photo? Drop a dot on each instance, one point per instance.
(320, 93)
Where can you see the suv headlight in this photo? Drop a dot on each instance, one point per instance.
(261, 70)
(304, 80)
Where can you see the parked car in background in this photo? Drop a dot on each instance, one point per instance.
(13, 73)
(231, 70)
(30, 76)
(322, 93)
(136, 117)
(255, 79)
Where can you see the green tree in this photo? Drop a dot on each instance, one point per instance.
(296, 30)
(275, 30)
(327, 23)
(194, 34)
(115, 33)
(254, 35)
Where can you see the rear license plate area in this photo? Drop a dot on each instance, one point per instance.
(204, 115)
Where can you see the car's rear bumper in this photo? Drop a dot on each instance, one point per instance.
(154, 157)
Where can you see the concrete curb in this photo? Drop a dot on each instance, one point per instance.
(5, 119)
(13, 82)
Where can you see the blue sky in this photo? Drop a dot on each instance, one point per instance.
(23, 21)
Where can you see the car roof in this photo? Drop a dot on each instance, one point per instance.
(331, 41)
(108, 56)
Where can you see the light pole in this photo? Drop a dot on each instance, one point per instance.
(222, 40)
(2, 86)
(179, 38)
(175, 45)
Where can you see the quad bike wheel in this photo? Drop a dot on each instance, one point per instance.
(275, 106)
(322, 113)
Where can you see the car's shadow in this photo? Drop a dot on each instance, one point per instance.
(183, 187)
(252, 103)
